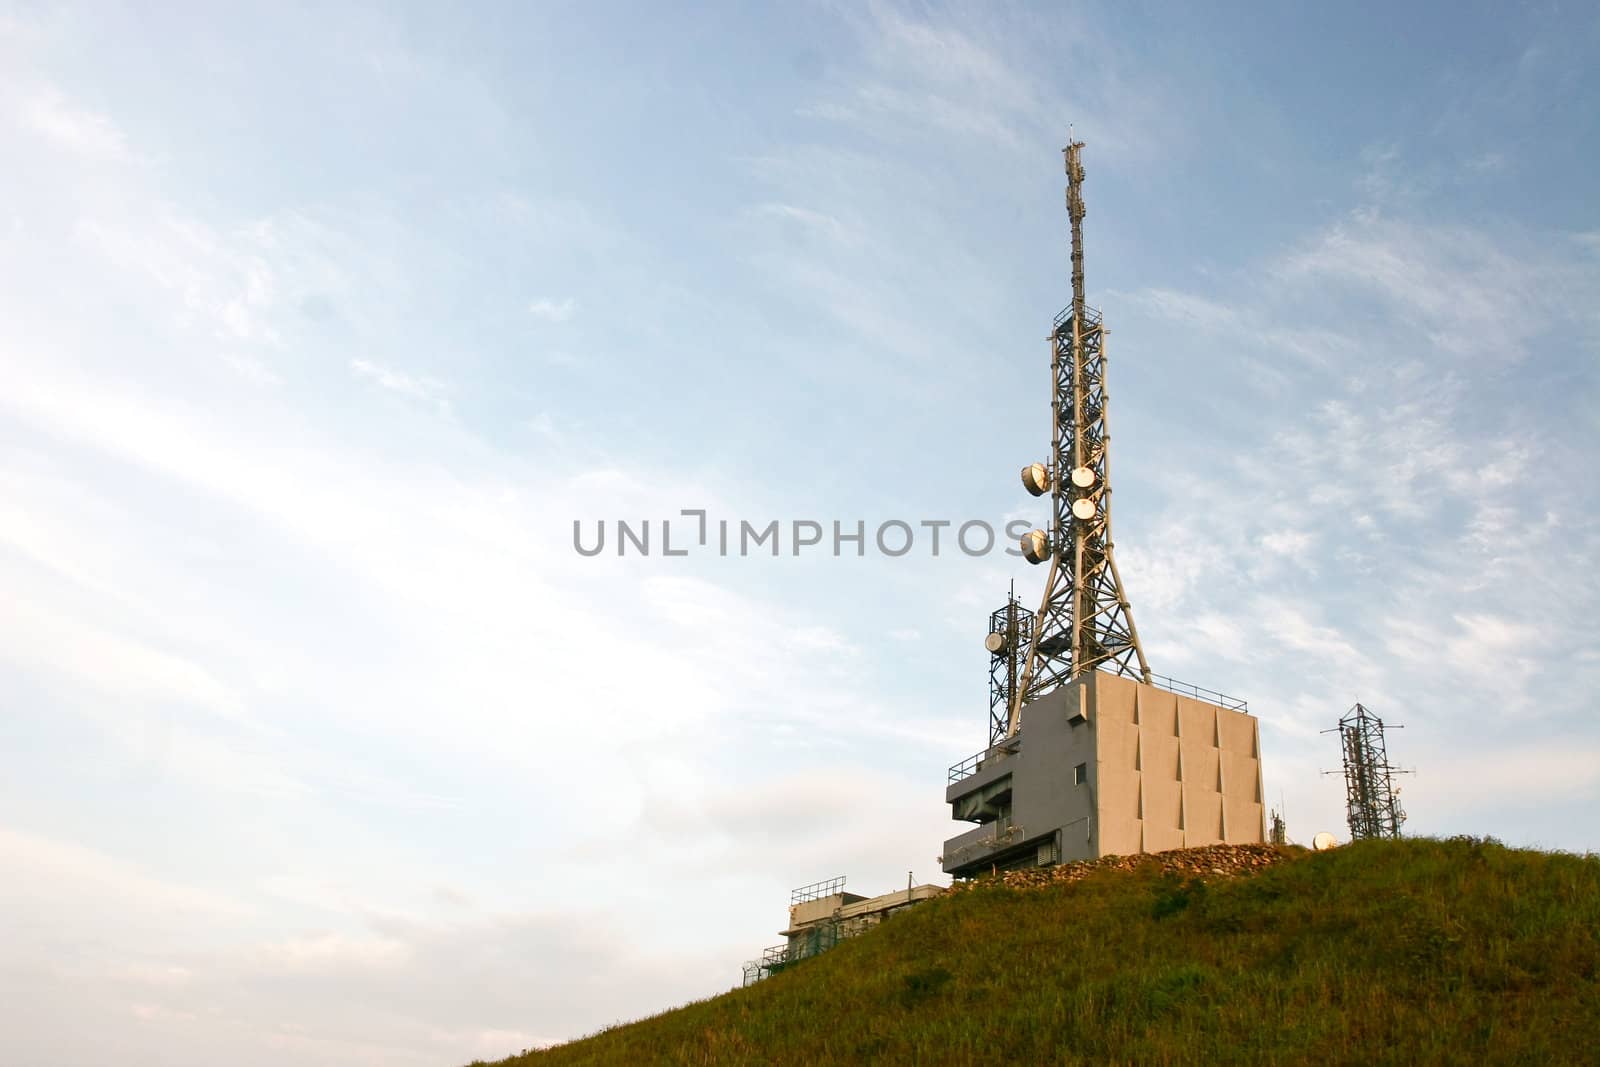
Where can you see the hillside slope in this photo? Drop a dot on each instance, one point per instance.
(1416, 951)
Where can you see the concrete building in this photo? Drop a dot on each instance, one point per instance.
(1105, 765)
(823, 914)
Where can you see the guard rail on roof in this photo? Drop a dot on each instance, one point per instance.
(817, 890)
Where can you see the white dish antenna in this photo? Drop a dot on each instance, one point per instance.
(1083, 477)
(1035, 546)
(1083, 508)
(1323, 841)
(995, 643)
(1036, 479)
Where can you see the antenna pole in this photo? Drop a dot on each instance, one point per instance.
(1372, 806)
(1084, 622)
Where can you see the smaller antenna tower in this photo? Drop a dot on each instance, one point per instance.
(1010, 633)
(1371, 801)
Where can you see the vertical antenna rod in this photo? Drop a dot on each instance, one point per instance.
(1084, 621)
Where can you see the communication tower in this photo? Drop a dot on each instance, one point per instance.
(1084, 622)
(1010, 634)
(1088, 753)
(1371, 801)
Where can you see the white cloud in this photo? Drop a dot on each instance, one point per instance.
(251, 369)
(553, 310)
(78, 130)
(1405, 512)
(419, 387)
(1294, 544)
(814, 221)
(61, 898)
(39, 638)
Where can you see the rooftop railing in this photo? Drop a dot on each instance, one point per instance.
(967, 767)
(817, 890)
(1210, 696)
(974, 763)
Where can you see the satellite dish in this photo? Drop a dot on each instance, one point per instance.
(1323, 841)
(1035, 546)
(995, 643)
(1083, 508)
(1036, 479)
(1082, 477)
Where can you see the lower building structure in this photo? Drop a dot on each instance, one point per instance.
(1106, 765)
(823, 914)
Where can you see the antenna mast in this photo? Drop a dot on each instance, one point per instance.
(1372, 803)
(1084, 622)
(1010, 634)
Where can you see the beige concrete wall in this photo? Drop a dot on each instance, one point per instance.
(1172, 771)
(810, 911)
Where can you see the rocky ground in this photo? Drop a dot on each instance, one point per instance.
(1209, 861)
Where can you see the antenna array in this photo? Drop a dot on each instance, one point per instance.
(1084, 622)
(1372, 803)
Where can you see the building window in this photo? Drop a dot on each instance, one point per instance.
(1080, 774)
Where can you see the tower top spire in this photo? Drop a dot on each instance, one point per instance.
(1075, 211)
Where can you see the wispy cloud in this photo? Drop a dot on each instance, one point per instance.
(419, 387)
(553, 310)
(90, 134)
(819, 222)
(1397, 497)
(252, 369)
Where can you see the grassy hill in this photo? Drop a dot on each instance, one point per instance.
(1405, 952)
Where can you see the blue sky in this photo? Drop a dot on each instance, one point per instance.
(320, 327)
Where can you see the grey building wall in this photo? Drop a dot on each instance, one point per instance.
(1109, 766)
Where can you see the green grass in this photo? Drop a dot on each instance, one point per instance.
(1404, 952)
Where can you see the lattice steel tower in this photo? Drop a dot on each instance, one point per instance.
(1010, 634)
(1371, 801)
(1084, 622)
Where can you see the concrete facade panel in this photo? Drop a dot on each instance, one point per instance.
(1118, 794)
(1115, 703)
(1119, 836)
(1202, 816)
(1158, 752)
(1161, 805)
(1244, 821)
(1238, 733)
(1200, 763)
(1161, 838)
(1199, 722)
(1158, 710)
(1119, 744)
(1239, 772)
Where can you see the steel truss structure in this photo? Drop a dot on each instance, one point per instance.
(1371, 801)
(1010, 634)
(1084, 622)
